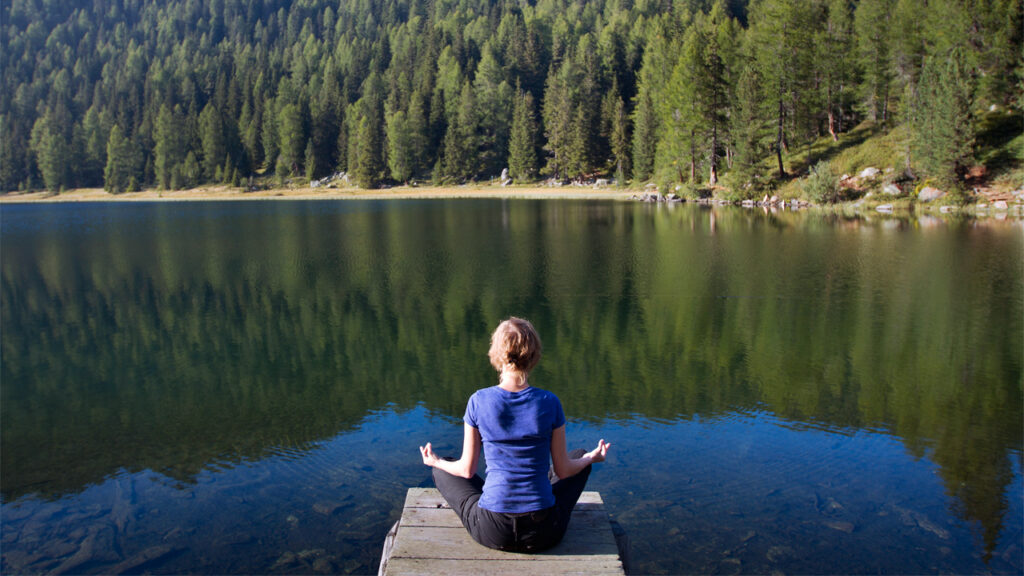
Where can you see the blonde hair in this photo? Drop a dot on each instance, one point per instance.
(515, 343)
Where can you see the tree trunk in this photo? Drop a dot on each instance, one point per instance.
(693, 157)
(713, 178)
(831, 116)
(780, 141)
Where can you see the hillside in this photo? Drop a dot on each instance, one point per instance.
(175, 94)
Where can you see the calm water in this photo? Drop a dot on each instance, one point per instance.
(241, 387)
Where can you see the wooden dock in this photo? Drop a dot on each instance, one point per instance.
(430, 539)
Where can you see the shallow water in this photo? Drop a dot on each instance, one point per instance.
(241, 387)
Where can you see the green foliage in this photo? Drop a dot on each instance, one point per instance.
(522, 159)
(635, 89)
(119, 172)
(942, 126)
(822, 184)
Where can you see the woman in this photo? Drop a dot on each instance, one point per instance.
(521, 429)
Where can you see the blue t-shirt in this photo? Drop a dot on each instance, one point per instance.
(516, 431)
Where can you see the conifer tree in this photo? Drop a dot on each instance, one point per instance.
(558, 117)
(269, 133)
(619, 140)
(872, 24)
(836, 42)
(400, 146)
(749, 128)
(941, 123)
(119, 169)
(522, 159)
(645, 129)
(291, 136)
(171, 147)
(52, 147)
(211, 133)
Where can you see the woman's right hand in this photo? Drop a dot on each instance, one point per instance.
(429, 458)
(598, 454)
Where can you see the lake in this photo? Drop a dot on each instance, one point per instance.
(241, 387)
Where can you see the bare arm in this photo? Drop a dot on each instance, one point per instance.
(566, 466)
(465, 466)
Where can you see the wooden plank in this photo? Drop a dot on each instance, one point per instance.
(431, 498)
(430, 539)
(434, 566)
(445, 518)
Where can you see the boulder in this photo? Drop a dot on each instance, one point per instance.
(891, 189)
(869, 173)
(1000, 205)
(927, 194)
(884, 208)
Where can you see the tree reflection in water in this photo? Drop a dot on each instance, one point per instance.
(168, 337)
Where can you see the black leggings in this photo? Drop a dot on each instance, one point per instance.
(527, 532)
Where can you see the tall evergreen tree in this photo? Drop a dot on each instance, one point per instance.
(118, 175)
(645, 130)
(522, 158)
(211, 133)
(400, 146)
(942, 125)
(51, 143)
(171, 147)
(872, 25)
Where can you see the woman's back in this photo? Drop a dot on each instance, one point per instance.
(516, 430)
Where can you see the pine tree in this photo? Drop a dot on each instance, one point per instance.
(941, 123)
(522, 158)
(365, 167)
(780, 35)
(400, 147)
(310, 161)
(51, 144)
(292, 138)
(170, 149)
(211, 133)
(872, 23)
(269, 133)
(645, 129)
(119, 169)
(836, 42)
(558, 115)
(619, 140)
(494, 113)
(748, 126)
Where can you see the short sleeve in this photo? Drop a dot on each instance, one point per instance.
(559, 414)
(470, 417)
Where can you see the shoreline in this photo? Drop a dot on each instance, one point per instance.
(228, 193)
(1014, 212)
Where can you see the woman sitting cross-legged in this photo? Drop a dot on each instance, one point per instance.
(521, 429)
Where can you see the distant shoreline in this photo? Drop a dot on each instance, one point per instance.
(227, 193)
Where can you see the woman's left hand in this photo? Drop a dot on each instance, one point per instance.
(598, 454)
(429, 458)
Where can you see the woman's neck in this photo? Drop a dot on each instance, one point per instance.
(513, 381)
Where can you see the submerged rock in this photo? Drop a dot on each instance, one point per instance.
(841, 525)
(326, 508)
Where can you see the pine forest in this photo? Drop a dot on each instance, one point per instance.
(173, 94)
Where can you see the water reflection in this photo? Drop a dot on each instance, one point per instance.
(184, 339)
